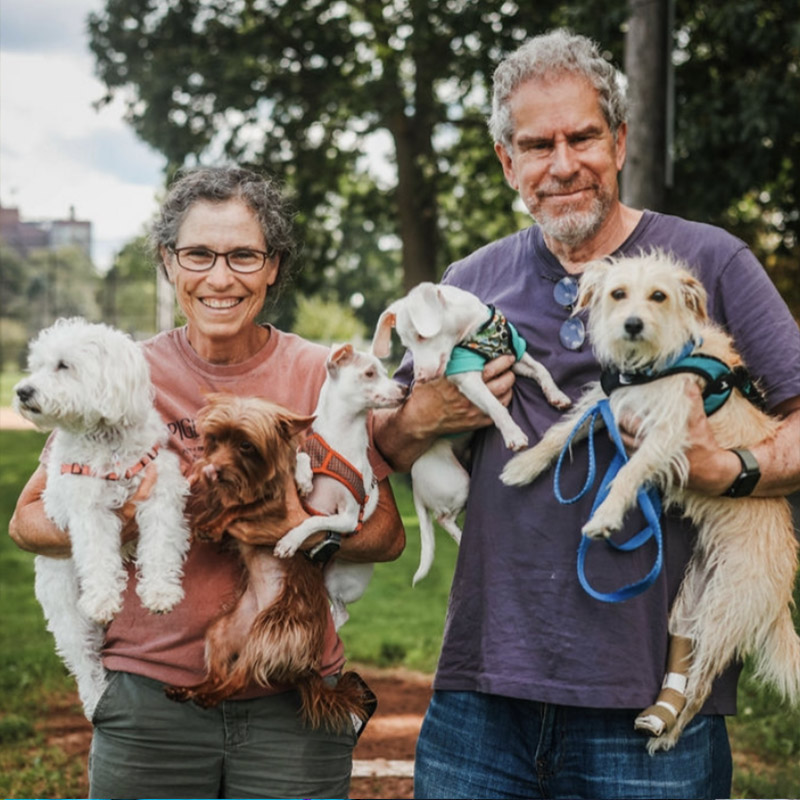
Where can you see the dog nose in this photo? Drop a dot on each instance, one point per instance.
(25, 393)
(634, 326)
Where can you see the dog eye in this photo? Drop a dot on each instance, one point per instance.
(62, 365)
(369, 374)
(246, 447)
(658, 297)
(619, 294)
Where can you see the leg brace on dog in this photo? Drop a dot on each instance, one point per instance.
(662, 715)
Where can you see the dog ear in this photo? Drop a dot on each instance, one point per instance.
(694, 296)
(589, 285)
(291, 424)
(382, 340)
(126, 393)
(427, 310)
(340, 355)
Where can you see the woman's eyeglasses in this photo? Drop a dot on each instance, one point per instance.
(572, 333)
(202, 259)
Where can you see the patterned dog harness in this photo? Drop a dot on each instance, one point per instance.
(496, 337)
(326, 461)
(84, 469)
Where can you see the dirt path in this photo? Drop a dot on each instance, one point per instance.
(383, 759)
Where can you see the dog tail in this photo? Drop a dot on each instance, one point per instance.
(336, 707)
(777, 660)
(426, 535)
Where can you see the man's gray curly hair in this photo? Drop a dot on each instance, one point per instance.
(552, 55)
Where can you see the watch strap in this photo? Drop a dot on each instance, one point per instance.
(323, 552)
(749, 476)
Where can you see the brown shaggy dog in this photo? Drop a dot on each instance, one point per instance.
(275, 633)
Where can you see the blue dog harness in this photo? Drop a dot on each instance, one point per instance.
(720, 383)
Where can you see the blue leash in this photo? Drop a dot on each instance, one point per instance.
(649, 502)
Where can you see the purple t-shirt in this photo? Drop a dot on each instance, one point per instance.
(518, 623)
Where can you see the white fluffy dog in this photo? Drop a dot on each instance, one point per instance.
(736, 595)
(91, 384)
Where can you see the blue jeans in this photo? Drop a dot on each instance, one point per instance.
(481, 745)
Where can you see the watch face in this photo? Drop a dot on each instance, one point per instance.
(325, 550)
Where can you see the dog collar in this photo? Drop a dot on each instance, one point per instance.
(85, 469)
(720, 379)
(326, 461)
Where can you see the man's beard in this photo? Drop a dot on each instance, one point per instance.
(574, 227)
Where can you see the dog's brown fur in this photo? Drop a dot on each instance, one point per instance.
(275, 633)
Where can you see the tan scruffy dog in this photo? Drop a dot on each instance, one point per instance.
(736, 596)
(276, 632)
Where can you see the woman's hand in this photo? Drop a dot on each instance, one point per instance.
(130, 530)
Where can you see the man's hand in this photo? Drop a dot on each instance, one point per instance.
(434, 409)
(712, 468)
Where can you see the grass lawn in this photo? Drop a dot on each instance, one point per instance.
(394, 624)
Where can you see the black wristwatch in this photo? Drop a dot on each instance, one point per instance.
(323, 552)
(747, 479)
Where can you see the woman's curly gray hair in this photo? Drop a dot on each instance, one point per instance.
(552, 55)
(216, 185)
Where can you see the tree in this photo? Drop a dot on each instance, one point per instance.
(310, 89)
(129, 290)
(737, 149)
(306, 88)
(647, 54)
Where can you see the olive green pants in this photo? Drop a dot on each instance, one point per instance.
(147, 746)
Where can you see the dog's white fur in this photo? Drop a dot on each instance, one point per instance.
(91, 384)
(430, 321)
(356, 382)
(736, 595)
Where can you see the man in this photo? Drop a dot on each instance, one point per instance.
(538, 684)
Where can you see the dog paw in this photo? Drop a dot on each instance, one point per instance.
(559, 400)
(303, 475)
(285, 549)
(598, 529)
(159, 598)
(100, 609)
(516, 442)
(522, 469)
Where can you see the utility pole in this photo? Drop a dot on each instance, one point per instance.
(648, 66)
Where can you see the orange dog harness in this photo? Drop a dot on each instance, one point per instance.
(84, 469)
(326, 461)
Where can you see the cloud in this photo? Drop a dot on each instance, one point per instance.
(45, 25)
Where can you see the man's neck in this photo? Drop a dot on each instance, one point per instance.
(616, 228)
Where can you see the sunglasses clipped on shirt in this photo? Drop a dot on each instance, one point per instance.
(572, 333)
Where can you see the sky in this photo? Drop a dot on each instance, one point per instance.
(56, 151)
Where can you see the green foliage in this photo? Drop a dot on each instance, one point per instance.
(129, 290)
(395, 623)
(37, 289)
(305, 89)
(737, 148)
(327, 322)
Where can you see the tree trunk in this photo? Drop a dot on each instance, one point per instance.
(416, 199)
(647, 54)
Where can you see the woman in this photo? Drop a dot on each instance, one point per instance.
(224, 239)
